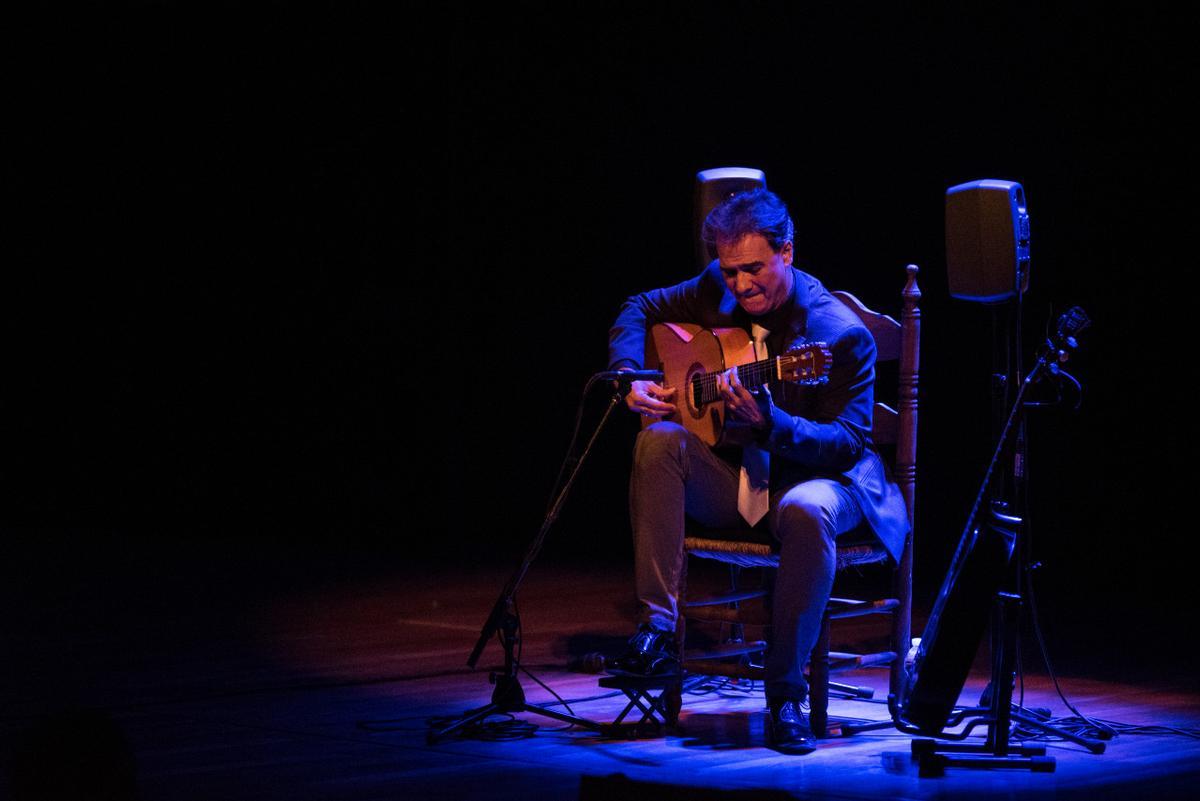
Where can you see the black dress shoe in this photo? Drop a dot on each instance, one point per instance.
(788, 731)
(649, 653)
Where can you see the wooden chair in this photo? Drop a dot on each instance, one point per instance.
(894, 341)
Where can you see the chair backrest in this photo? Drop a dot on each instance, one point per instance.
(900, 342)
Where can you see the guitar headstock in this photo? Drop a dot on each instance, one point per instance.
(808, 363)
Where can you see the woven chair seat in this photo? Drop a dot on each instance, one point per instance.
(754, 554)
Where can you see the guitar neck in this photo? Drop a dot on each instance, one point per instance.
(755, 374)
(752, 376)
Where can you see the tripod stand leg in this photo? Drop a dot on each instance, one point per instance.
(466, 720)
(563, 716)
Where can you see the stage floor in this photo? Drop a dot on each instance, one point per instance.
(200, 674)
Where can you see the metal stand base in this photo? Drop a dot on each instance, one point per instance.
(933, 757)
(996, 752)
(508, 695)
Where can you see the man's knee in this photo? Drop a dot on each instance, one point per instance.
(659, 441)
(805, 517)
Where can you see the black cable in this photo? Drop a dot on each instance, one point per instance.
(508, 727)
(562, 468)
(518, 666)
(517, 634)
(489, 728)
(1105, 732)
(1097, 728)
(1025, 557)
(1057, 372)
(546, 687)
(585, 699)
(1191, 732)
(722, 687)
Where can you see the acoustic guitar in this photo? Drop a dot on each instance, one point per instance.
(691, 357)
(957, 624)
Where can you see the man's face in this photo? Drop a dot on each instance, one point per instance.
(759, 278)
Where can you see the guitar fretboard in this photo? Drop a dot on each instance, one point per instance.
(753, 376)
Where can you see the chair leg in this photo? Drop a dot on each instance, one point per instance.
(680, 606)
(737, 632)
(901, 632)
(818, 681)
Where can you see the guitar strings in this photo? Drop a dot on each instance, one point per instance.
(758, 372)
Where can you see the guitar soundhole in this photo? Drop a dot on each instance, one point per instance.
(695, 395)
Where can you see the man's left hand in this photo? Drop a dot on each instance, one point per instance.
(740, 404)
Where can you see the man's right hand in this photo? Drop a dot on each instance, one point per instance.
(650, 400)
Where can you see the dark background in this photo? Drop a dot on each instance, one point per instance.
(307, 276)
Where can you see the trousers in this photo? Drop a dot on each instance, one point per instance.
(676, 475)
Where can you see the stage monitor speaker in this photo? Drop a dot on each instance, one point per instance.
(987, 241)
(714, 186)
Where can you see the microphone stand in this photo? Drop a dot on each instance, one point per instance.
(509, 695)
(995, 708)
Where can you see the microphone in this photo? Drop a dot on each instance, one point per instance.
(1063, 341)
(1070, 323)
(630, 375)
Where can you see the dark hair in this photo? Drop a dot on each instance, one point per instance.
(758, 211)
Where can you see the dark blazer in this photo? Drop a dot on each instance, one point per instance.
(822, 431)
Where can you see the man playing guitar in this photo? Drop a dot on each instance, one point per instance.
(794, 459)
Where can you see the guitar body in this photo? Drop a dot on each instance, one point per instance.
(685, 351)
(956, 625)
(692, 358)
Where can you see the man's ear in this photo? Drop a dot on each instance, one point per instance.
(786, 253)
